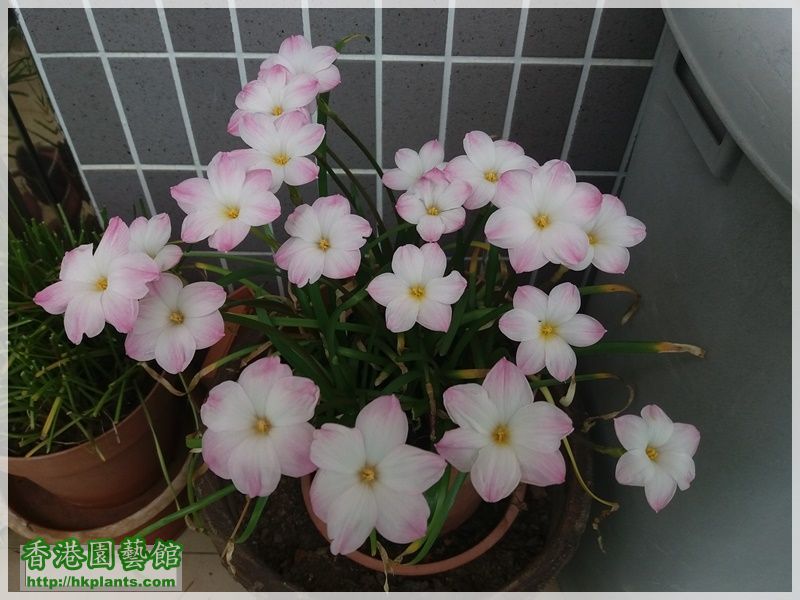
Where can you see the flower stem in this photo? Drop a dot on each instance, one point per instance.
(187, 510)
(294, 195)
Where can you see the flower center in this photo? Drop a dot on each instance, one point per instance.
(491, 176)
(417, 292)
(433, 210)
(277, 111)
(652, 453)
(176, 317)
(501, 435)
(592, 239)
(280, 159)
(547, 330)
(541, 221)
(232, 212)
(262, 425)
(368, 474)
(324, 244)
(102, 284)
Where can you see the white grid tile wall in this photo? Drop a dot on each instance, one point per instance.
(574, 79)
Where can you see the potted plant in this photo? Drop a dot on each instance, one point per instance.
(92, 436)
(404, 364)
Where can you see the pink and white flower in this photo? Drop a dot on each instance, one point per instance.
(225, 206)
(503, 436)
(610, 235)
(175, 321)
(281, 145)
(325, 241)
(542, 216)
(369, 478)
(547, 327)
(659, 454)
(411, 165)
(434, 205)
(258, 427)
(299, 57)
(416, 291)
(104, 285)
(484, 164)
(151, 236)
(273, 94)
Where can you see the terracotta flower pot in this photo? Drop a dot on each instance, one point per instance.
(432, 568)
(129, 465)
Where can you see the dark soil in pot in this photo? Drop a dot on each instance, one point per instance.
(286, 552)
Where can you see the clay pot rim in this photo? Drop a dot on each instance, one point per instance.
(98, 441)
(431, 568)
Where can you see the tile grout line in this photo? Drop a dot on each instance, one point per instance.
(512, 92)
(587, 61)
(426, 58)
(126, 129)
(57, 110)
(306, 15)
(448, 70)
(378, 21)
(626, 156)
(173, 65)
(237, 41)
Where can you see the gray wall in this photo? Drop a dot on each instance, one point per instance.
(156, 111)
(715, 270)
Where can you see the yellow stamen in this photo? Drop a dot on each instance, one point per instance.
(176, 317)
(417, 292)
(592, 239)
(324, 244)
(262, 425)
(102, 284)
(541, 221)
(433, 210)
(652, 453)
(491, 176)
(232, 212)
(368, 474)
(277, 111)
(280, 159)
(501, 435)
(546, 330)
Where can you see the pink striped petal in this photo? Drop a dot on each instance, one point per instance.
(226, 175)
(341, 264)
(434, 262)
(306, 140)
(564, 243)
(434, 315)
(304, 223)
(78, 265)
(206, 330)
(227, 409)
(685, 438)
(411, 208)
(583, 204)
(659, 425)
(539, 426)
(294, 47)
(634, 468)
(611, 259)
(259, 376)
(632, 432)
(168, 257)
(120, 311)
(496, 472)
(55, 297)
(407, 160)
(679, 466)
(431, 154)
(401, 314)
(453, 219)
(480, 149)
(175, 349)
(235, 121)
(532, 300)
(327, 487)
(581, 331)
(254, 467)
(230, 235)
(460, 447)
(217, 450)
(290, 400)
(402, 517)
(508, 388)
(509, 227)
(201, 224)
(409, 470)
(114, 242)
(299, 171)
(541, 468)
(84, 315)
(513, 188)
(559, 358)
(338, 448)
(659, 490)
(396, 179)
(470, 407)
(531, 356)
(562, 303)
(386, 287)
(519, 325)
(446, 290)
(384, 426)
(430, 228)
(258, 205)
(292, 445)
(528, 256)
(192, 193)
(351, 518)
(408, 263)
(330, 210)
(201, 298)
(328, 78)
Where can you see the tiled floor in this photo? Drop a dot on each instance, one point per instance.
(202, 569)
